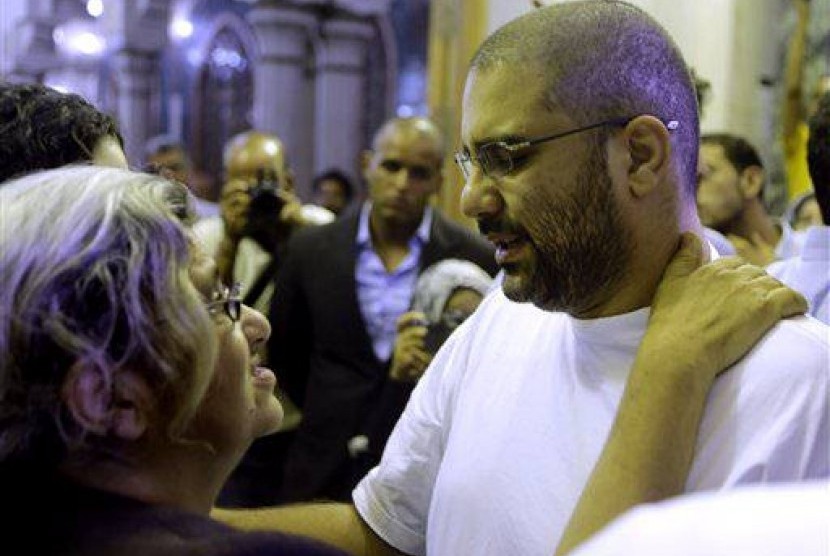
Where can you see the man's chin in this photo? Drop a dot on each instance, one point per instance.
(520, 289)
(515, 288)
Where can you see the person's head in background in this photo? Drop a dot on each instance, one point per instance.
(820, 90)
(818, 154)
(332, 190)
(447, 293)
(803, 212)
(124, 366)
(403, 170)
(250, 154)
(166, 155)
(730, 183)
(42, 128)
(258, 184)
(703, 89)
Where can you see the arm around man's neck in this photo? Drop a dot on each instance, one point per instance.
(332, 523)
(703, 320)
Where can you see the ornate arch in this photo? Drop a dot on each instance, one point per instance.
(223, 92)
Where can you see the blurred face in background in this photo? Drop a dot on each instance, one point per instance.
(331, 194)
(809, 214)
(720, 200)
(402, 173)
(171, 163)
(258, 153)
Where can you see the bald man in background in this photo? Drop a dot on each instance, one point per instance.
(248, 239)
(338, 300)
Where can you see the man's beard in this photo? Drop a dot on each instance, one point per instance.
(580, 241)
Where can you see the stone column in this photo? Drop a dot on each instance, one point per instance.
(34, 48)
(137, 75)
(341, 93)
(283, 91)
(138, 33)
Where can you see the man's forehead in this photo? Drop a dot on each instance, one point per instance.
(504, 103)
(400, 142)
(712, 152)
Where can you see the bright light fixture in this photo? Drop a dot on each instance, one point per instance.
(95, 7)
(181, 28)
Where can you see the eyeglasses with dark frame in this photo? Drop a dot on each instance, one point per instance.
(229, 300)
(496, 159)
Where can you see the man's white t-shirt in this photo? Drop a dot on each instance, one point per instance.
(502, 432)
(765, 520)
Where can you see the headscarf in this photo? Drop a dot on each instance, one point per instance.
(438, 282)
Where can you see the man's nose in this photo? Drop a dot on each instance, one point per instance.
(404, 178)
(480, 199)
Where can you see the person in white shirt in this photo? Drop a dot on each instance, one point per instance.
(761, 520)
(580, 134)
(730, 200)
(583, 182)
(809, 272)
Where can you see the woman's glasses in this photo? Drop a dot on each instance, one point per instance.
(229, 300)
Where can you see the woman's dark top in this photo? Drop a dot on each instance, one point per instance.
(45, 515)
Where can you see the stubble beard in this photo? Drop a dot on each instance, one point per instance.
(581, 246)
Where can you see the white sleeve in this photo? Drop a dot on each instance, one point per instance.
(394, 498)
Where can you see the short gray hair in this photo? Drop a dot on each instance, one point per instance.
(604, 59)
(95, 271)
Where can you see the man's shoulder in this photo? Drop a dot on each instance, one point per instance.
(810, 335)
(786, 519)
(321, 236)
(795, 349)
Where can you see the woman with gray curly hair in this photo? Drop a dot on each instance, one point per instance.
(129, 377)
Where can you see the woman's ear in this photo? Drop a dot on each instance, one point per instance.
(649, 147)
(106, 402)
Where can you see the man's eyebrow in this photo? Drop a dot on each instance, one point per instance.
(509, 139)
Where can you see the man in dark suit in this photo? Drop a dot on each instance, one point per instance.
(340, 293)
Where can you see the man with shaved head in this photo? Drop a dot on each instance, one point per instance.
(579, 146)
(338, 301)
(259, 211)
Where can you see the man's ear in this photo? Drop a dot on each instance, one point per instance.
(118, 405)
(649, 147)
(752, 182)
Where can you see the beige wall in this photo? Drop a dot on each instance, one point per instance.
(729, 42)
